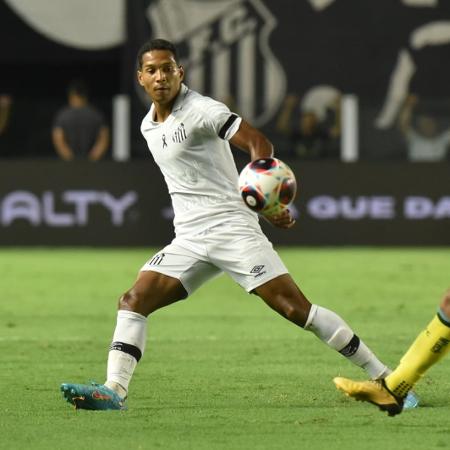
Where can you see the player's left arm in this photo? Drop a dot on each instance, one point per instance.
(283, 219)
(252, 141)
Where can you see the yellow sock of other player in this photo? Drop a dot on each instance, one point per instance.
(429, 347)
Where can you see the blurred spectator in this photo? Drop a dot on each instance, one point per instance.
(79, 129)
(5, 121)
(308, 136)
(5, 109)
(425, 141)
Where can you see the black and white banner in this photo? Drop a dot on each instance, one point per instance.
(248, 53)
(252, 53)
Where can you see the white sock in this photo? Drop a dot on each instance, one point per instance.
(126, 350)
(331, 329)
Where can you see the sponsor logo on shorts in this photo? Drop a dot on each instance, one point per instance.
(258, 270)
(157, 259)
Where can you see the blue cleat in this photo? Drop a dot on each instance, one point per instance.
(92, 396)
(411, 401)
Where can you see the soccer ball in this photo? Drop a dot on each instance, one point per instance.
(267, 185)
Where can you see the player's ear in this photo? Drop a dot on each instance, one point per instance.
(181, 70)
(139, 77)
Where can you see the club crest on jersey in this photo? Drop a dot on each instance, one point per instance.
(179, 134)
(224, 46)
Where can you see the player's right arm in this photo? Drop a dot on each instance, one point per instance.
(252, 141)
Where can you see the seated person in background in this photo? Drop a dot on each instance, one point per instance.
(425, 142)
(79, 130)
(6, 146)
(309, 137)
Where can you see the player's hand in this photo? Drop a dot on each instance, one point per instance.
(281, 219)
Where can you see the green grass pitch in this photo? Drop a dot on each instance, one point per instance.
(221, 370)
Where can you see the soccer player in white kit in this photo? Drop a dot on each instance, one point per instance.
(188, 136)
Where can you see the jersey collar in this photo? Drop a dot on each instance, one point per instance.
(176, 106)
(180, 98)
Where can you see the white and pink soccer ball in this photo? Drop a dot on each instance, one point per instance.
(267, 185)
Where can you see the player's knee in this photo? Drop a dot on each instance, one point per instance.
(146, 301)
(136, 301)
(129, 300)
(291, 310)
(445, 303)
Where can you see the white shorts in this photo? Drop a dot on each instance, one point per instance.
(242, 252)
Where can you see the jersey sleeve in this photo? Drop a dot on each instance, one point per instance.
(218, 119)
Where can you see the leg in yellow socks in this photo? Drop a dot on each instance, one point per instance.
(429, 347)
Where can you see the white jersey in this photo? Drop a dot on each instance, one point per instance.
(191, 148)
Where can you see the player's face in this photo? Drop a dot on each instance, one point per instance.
(160, 76)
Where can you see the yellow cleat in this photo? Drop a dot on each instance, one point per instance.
(374, 392)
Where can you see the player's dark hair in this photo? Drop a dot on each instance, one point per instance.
(78, 87)
(156, 44)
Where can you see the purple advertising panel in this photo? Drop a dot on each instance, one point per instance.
(116, 204)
